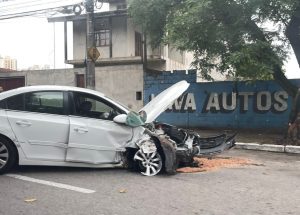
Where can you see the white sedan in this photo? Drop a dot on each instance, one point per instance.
(69, 126)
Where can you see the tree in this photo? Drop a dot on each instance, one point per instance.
(232, 36)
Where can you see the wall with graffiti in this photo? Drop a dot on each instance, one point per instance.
(228, 104)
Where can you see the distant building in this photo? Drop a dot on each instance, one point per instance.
(8, 63)
(119, 41)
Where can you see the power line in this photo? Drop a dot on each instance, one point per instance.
(33, 9)
(4, 10)
(16, 6)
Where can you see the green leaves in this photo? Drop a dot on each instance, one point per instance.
(244, 38)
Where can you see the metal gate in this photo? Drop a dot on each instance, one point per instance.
(9, 83)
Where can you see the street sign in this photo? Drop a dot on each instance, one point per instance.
(93, 53)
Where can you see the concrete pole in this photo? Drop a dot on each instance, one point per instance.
(90, 43)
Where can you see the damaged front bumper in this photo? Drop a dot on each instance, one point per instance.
(181, 146)
(216, 144)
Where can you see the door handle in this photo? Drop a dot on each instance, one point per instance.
(81, 130)
(23, 123)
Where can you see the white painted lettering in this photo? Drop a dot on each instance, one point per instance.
(268, 102)
(281, 98)
(233, 101)
(246, 95)
(190, 102)
(213, 102)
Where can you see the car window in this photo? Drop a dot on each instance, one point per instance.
(2, 105)
(15, 102)
(88, 105)
(51, 102)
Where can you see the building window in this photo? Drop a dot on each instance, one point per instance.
(102, 32)
(138, 95)
(102, 38)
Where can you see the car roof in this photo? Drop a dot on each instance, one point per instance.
(27, 89)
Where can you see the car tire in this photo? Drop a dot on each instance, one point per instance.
(149, 164)
(8, 155)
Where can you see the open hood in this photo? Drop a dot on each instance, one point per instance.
(162, 101)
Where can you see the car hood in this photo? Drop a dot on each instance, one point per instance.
(162, 101)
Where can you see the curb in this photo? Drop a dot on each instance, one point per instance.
(268, 147)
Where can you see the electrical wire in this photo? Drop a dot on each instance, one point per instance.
(13, 12)
(24, 5)
(32, 3)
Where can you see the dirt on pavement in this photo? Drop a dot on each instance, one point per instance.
(215, 163)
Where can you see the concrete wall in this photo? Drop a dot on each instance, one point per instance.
(64, 77)
(121, 83)
(228, 104)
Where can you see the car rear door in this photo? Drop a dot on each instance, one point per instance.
(40, 124)
(94, 136)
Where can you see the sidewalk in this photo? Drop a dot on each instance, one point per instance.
(258, 140)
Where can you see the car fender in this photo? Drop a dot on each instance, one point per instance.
(5, 128)
(169, 150)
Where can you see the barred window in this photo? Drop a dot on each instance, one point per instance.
(102, 32)
(102, 38)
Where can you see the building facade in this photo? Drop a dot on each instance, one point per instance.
(123, 50)
(119, 41)
(8, 63)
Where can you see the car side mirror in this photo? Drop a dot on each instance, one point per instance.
(120, 118)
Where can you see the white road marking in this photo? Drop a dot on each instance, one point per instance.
(53, 184)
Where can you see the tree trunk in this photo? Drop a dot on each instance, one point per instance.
(293, 33)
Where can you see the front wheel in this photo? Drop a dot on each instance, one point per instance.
(150, 164)
(7, 155)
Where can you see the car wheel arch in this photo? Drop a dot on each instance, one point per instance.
(159, 147)
(2, 136)
(169, 154)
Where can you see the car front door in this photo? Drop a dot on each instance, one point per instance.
(40, 124)
(94, 136)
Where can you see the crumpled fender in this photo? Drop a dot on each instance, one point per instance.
(170, 154)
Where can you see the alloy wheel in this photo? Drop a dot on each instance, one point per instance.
(150, 163)
(3, 155)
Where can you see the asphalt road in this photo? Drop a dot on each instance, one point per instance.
(271, 187)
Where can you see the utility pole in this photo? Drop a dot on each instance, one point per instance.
(90, 45)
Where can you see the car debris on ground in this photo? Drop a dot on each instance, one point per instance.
(215, 163)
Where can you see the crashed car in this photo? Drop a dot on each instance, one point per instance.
(76, 127)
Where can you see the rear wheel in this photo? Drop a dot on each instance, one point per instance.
(150, 164)
(7, 155)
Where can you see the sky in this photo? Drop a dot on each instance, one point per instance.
(34, 41)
